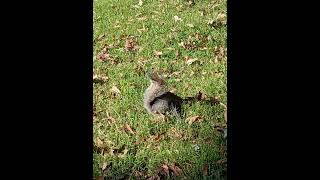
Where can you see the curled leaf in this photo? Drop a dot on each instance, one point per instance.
(189, 61)
(98, 142)
(193, 119)
(129, 129)
(158, 53)
(176, 170)
(115, 90)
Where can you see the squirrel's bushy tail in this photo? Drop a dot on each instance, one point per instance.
(158, 100)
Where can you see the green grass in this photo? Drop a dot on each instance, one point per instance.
(119, 19)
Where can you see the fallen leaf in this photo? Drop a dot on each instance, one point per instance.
(201, 96)
(104, 166)
(131, 44)
(164, 170)
(216, 59)
(111, 120)
(176, 73)
(99, 79)
(221, 16)
(177, 53)
(205, 169)
(158, 53)
(193, 119)
(177, 18)
(100, 178)
(215, 100)
(225, 115)
(98, 142)
(165, 167)
(189, 61)
(128, 128)
(123, 154)
(156, 137)
(176, 170)
(189, 45)
(103, 56)
(174, 132)
(115, 90)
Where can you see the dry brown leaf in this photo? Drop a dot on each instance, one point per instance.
(193, 119)
(156, 137)
(123, 154)
(175, 133)
(104, 166)
(205, 169)
(103, 56)
(201, 96)
(176, 73)
(157, 53)
(221, 17)
(216, 59)
(99, 79)
(115, 90)
(100, 178)
(111, 120)
(215, 100)
(131, 44)
(129, 129)
(189, 61)
(177, 53)
(98, 142)
(164, 170)
(176, 170)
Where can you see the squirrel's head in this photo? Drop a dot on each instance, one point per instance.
(155, 78)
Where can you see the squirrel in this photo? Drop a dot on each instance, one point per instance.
(157, 100)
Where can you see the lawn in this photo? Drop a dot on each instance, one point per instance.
(186, 42)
